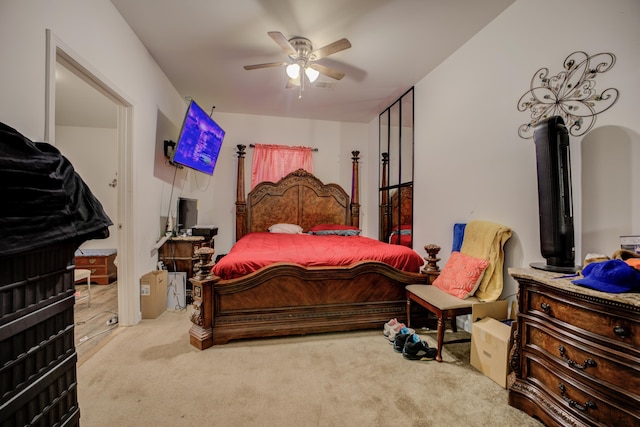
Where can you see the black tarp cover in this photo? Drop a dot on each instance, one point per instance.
(43, 200)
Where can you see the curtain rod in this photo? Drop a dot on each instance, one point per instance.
(253, 146)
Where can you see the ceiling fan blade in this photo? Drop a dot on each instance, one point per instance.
(330, 49)
(329, 72)
(282, 41)
(268, 64)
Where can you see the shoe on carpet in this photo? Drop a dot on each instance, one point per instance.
(389, 325)
(416, 349)
(395, 330)
(399, 341)
(404, 330)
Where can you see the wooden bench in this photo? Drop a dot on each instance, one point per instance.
(482, 240)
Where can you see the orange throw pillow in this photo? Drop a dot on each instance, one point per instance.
(461, 275)
(634, 262)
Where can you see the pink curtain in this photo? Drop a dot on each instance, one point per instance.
(274, 162)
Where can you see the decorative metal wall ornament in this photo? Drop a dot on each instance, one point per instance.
(570, 94)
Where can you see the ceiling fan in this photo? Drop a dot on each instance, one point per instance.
(303, 58)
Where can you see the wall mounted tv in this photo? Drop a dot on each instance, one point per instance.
(200, 140)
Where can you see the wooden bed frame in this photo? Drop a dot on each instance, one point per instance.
(288, 299)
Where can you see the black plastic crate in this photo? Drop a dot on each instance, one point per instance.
(38, 383)
(29, 281)
(50, 401)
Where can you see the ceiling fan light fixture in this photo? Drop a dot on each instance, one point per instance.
(302, 57)
(293, 71)
(312, 74)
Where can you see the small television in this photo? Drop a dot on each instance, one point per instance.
(187, 214)
(553, 161)
(199, 142)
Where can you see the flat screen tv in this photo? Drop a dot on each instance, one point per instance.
(200, 140)
(553, 160)
(187, 213)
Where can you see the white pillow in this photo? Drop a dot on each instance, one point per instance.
(286, 228)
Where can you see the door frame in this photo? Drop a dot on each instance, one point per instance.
(128, 291)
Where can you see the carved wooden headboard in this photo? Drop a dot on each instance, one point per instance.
(404, 197)
(298, 198)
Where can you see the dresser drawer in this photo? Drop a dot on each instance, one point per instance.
(592, 321)
(580, 357)
(585, 402)
(179, 249)
(102, 267)
(98, 262)
(96, 272)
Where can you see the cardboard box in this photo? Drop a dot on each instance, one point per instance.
(153, 294)
(491, 339)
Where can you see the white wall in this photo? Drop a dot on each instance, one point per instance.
(217, 194)
(93, 152)
(470, 161)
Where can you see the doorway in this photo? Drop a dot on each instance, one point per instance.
(86, 133)
(61, 58)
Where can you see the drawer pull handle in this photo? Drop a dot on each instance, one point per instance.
(589, 404)
(92, 260)
(545, 307)
(587, 363)
(621, 331)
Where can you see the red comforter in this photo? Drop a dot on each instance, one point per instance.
(256, 250)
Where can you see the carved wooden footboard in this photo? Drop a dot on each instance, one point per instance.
(288, 299)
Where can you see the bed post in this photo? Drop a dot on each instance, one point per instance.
(384, 200)
(201, 332)
(355, 189)
(241, 203)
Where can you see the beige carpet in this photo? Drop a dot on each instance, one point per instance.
(149, 375)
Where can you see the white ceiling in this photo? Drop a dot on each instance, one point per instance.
(202, 47)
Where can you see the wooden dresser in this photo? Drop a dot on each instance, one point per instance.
(576, 353)
(101, 263)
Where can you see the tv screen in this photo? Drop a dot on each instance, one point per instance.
(187, 213)
(200, 139)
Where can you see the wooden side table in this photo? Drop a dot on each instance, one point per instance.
(178, 254)
(101, 262)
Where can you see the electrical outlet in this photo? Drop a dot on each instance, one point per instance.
(169, 146)
(113, 320)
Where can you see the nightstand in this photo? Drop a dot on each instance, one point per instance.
(177, 254)
(101, 263)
